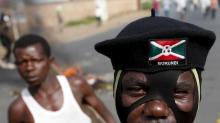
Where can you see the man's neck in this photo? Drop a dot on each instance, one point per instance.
(48, 87)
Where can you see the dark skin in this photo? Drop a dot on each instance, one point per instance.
(134, 86)
(34, 67)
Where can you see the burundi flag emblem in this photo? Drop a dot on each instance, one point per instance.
(167, 52)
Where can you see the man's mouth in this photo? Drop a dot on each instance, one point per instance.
(31, 78)
(157, 121)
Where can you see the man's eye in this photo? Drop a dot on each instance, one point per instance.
(19, 62)
(181, 93)
(136, 90)
(37, 60)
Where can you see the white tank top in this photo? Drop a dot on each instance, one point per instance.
(70, 112)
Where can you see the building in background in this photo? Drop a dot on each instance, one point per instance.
(37, 15)
(44, 1)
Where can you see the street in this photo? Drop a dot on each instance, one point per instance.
(82, 53)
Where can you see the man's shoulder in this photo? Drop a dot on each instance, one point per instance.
(76, 81)
(17, 105)
(79, 83)
(18, 111)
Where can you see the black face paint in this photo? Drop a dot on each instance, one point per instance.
(162, 86)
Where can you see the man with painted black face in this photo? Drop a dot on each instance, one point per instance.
(158, 63)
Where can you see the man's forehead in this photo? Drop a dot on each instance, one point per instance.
(134, 75)
(35, 49)
(136, 72)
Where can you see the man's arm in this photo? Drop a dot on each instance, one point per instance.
(90, 98)
(16, 111)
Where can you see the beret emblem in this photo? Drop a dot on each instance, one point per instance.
(167, 52)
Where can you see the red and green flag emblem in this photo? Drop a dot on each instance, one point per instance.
(167, 52)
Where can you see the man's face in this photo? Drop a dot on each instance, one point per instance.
(136, 85)
(32, 64)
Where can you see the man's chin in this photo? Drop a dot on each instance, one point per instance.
(32, 82)
(156, 121)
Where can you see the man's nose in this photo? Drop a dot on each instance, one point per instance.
(156, 109)
(30, 66)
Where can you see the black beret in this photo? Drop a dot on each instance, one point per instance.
(154, 44)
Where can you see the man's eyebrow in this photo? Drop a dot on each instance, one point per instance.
(132, 80)
(184, 85)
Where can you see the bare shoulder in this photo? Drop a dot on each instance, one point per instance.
(17, 105)
(81, 84)
(77, 81)
(16, 110)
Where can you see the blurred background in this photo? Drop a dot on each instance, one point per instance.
(72, 27)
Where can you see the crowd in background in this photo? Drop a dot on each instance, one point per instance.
(6, 41)
(207, 7)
